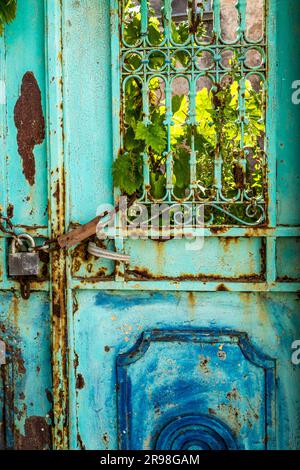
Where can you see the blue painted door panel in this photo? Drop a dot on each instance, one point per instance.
(169, 375)
(26, 383)
(156, 358)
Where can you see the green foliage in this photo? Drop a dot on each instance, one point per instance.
(127, 173)
(8, 10)
(154, 136)
(219, 129)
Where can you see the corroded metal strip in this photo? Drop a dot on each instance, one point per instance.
(182, 285)
(2, 353)
(271, 112)
(57, 221)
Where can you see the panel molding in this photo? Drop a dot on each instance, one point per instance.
(201, 336)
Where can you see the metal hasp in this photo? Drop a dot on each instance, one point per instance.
(23, 263)
(2, 353)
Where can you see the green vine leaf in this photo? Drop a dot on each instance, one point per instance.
(181, 168)
(127, 173)
(154, 136)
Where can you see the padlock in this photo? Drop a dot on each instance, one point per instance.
(23, 263)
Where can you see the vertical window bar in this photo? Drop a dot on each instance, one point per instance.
(217, 19)
(145, 95)
(146, 174)
(193, 164)
(218, 163)
(169, 122)
(242, 8)
(169, 175)
(193, 7)
(144, 18)
(242, 161)
(167, 15)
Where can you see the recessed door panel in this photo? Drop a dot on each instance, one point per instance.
(188, 389)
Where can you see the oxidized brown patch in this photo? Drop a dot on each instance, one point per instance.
(222, 288)
(30, 123)
(79, 381)
(37, 435)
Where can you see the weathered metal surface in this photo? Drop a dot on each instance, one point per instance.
(26, 376)
(25, 412)
(23, 263)
(2, 353)
(57, 222)
(37, 435)
(188, 370)
(166, 363)
(217, 320)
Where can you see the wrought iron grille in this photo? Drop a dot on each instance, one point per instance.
(192, 106)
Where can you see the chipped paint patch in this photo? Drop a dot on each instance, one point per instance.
(37, 435)
(79, 382)
(30, 123)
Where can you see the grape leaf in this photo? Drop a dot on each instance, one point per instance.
(127, 173)
(153, 135)
(182, 168)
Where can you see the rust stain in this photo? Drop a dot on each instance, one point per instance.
(37, 435)
(10, 211)
(233, 395)
(203, 365)
(233, 415)
(143, 274)
(105, 440)
(192, 300)
(30, 123)
(79, 382)
(263, 257)
(219, 229)
(222, 288)
(49, 396)
(44, 270)
(80, 443)
(59, 316)
(227, 242)
(83, 261)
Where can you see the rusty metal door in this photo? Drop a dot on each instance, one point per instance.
(179, 348)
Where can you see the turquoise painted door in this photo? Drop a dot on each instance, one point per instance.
(180, 348)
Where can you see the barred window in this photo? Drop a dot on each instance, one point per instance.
(192, 78)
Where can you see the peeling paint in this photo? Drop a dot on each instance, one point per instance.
(80, 382)
(37, 435)
(30, 123)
